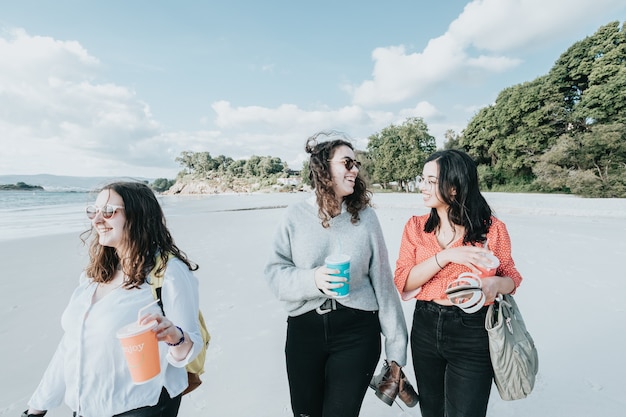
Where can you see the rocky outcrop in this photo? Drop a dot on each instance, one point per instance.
(214, 186)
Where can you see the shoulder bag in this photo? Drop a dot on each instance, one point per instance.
(513, 353)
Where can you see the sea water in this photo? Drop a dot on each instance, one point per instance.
(37, 213)
(26, 214)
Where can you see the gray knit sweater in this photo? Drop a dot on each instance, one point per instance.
(300, 246)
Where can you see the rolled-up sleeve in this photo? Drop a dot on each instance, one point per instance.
(181, 306)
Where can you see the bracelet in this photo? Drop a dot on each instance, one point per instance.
(181, 341)
(436, 260)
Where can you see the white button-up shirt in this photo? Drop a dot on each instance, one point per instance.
(89, 369)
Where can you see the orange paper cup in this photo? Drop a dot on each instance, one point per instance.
(141, 349)
(488, 266)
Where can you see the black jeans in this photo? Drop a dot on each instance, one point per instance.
(450, 350)
(330, 361)
(166, 407)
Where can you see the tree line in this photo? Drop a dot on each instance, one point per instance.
(562, 132)
(202, 166)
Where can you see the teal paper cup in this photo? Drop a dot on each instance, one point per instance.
(342, 263)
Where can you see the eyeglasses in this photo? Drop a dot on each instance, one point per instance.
(348, 162)
(428, 183)
(107, 211)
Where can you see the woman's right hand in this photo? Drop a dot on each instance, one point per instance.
(326, 282)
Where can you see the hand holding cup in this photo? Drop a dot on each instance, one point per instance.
(341, 264)
(326, 282)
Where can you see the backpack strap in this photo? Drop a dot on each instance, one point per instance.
(156, 280)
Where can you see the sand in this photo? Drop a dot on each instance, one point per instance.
(568, 250)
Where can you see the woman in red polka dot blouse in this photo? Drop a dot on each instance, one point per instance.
(450, 346)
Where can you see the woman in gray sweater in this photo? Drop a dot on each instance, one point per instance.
(333, 344)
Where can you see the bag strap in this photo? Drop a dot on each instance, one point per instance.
(156, 279)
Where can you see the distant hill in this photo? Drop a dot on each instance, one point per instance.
(65, 183)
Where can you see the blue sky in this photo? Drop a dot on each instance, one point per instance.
(121, 88)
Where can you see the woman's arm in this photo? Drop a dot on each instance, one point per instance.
(180, 327)
(421, 259)
(390, 313)
(287, 281)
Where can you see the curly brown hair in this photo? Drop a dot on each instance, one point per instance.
(146, 237)
(319, 175)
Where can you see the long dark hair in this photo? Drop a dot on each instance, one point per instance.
(319, 175)
(146, 237)
(458, 187)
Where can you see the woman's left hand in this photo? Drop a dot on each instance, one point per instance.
(166, 331)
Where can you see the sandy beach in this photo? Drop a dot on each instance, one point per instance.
(567, 249)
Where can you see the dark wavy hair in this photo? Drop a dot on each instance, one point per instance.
(321, 152)
(467, 206)
(146, 237)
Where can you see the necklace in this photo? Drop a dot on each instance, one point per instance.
(443, 239)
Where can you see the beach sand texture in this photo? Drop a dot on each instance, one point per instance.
(568, 249)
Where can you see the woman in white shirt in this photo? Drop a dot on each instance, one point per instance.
(88, 369)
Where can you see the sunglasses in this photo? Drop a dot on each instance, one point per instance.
(348, 162)
(107, 211)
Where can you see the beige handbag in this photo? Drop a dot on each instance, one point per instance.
(513, 353)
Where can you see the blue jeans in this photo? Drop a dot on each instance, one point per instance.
(450, 350)
(330, 361)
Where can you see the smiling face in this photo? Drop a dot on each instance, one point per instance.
(110, 231)
(342, 178)
(430, 186)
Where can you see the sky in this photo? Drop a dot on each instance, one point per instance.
(121, 88)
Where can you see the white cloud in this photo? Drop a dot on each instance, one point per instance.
(57, 117)
(494, 64)
(482, 37)
(54, 110)
(423, 109)
(399, 76)
(284, 116)
(285, 128)
(507, 25)
(58, 114)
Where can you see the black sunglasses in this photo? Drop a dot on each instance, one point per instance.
(348, 162)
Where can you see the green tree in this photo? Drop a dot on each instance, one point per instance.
(269, 165)
(451, 140)
(162, 184)
(198, 164)
(561, 131)
(510, 135)
(304, 173)
(590, 163)
(398, 152)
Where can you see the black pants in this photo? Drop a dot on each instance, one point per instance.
(166, 407)
(450, 350)
(330, 360)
